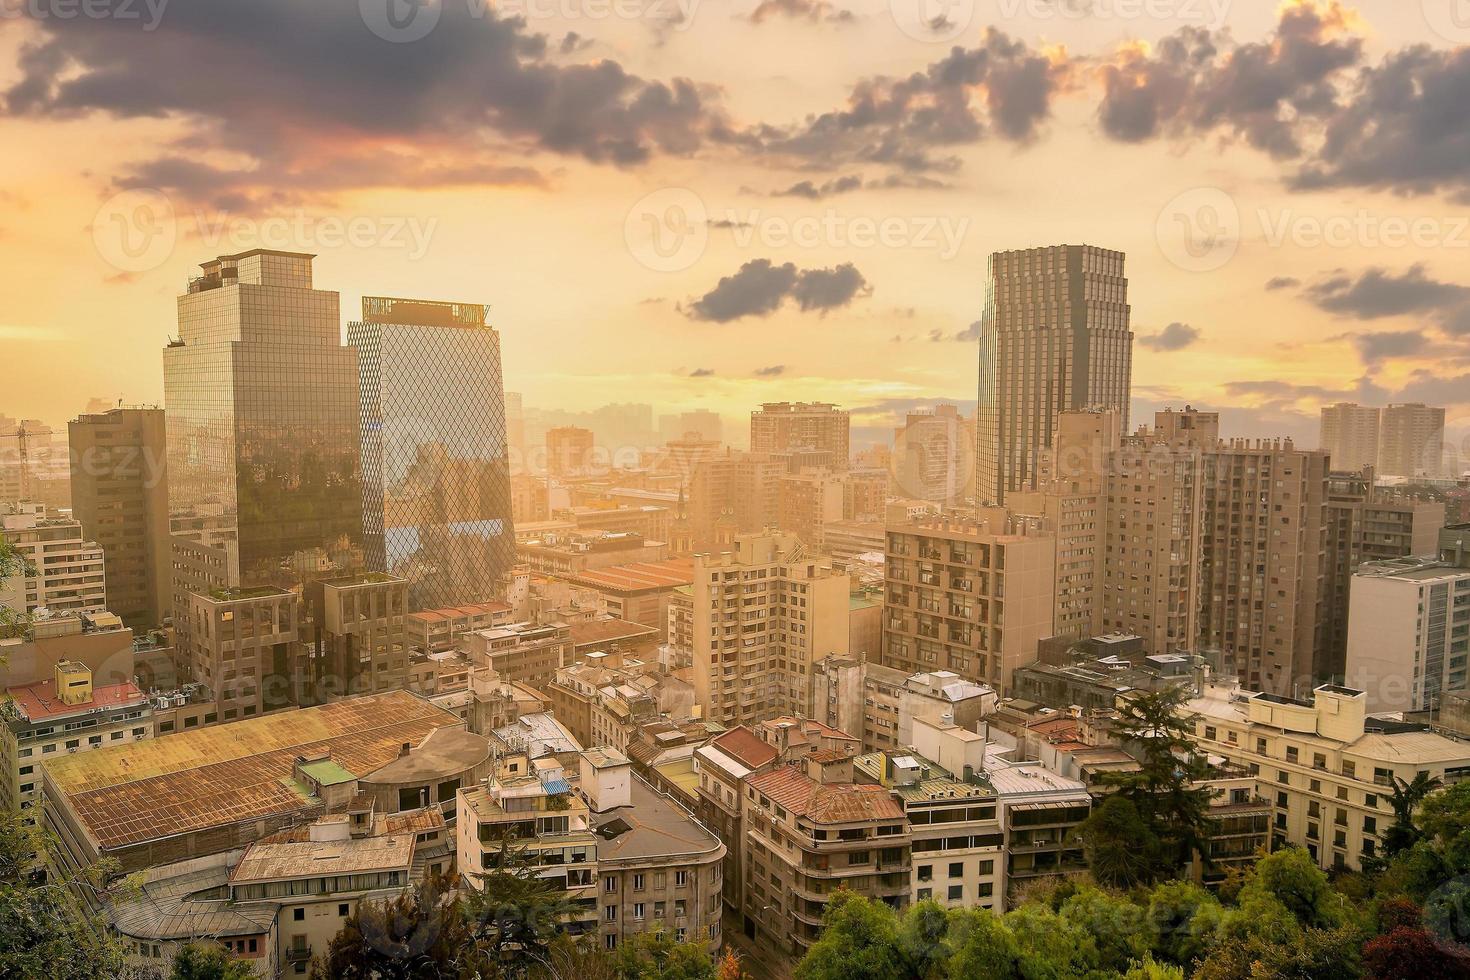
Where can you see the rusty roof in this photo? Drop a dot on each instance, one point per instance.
(745, 747)
(825, 802)
(224, 774)
(638, 576)
(608, 631)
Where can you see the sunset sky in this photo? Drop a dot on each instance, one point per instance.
(1291, 186)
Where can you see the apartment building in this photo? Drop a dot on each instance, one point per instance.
(970, 595)
(66, 570)
(242, 644)
(1263, 563)
(1411, 441)
(810, 829)
(119, 486)
(62, 716)
(522, 653)
(438, 630)
(354, 639)
(722, 766)
(808, 500)
(1326, 767)
(569, 451)
(1408, 636)
(783, 426)
(1349, 434)
(760, 616)
(881, 703)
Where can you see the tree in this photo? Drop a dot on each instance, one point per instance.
(45, 929)
(1410, 952)
(516, 915)
(1292, 878)
(729, 967)
(1165, 791)
(657, 956)
(983, 947)
(208, 961)
(11, 563)
(1405, 799)
(421, 933)
(1121, 847)
(858, 942)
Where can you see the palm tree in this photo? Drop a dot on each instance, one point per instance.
(1405, 800)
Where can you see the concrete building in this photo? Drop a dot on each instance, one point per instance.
(522, 652)
(1054, 337)
(1411, 441)
(354, 639)
(881, 703)
(810, 828)
(569, 553)
(66, 570)
(242, 644)
(1349, 435)
(637, 592)
(439, 630)
(569, 451)
(1326, 767)
(972, 595)
(219, 788)
(783, 426)
(722, 766)
(1263, 564)
(100, 641)
(760, 617)
(934, 455)
(65, 715)
(808, 500)
(1408, 635)
(119, 487)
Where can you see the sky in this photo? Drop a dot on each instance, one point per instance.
(710, 205)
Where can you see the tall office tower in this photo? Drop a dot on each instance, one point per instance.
(261, 408)
(1155, 531)
(119, 482)
(1263, 568)
(1069, 501)
(569, 451)
(933, 454)
(760, 616)
(436, 479)
(1411, 441)
(515, 430)
(1365, 524)
(971, 596)
(782, 426)
(1053, 337)
(1350, 435)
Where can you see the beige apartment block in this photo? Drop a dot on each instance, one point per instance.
(1263, 563)
(1326, 767)
(1408, 634)
(783, 426)
(760, 617)
(972, 595)
(1411, 441)
(882, 703)
(65, 570)
(1349, 434)
(522, 653)
(355, 640)
(808, 501)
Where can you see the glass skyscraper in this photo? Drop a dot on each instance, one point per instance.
(1054, 337)
(436, 479)
(265, 489)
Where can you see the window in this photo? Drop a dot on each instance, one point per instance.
(1291, 753)
(926, 872)
(987, 867)
(637, 910)
(342, 910)
(610, 913)
(956, 893)
(1319, 760)
(681, 878)
(610, 884)
(680, 907)
(986, 889)
(1211, 734)
(925, 894)
(610, 941)
(638, 882)
(1349, 769)
(957, 869)
(298, 915)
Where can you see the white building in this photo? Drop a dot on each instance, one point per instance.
(1408, 632)
(65, 568)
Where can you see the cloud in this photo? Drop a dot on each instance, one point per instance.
(702, 373)
(812, 11)
(966, 336)
(1176, 336)
(1374, 348)
(759, 288)
(1282, 282)
(815, 192)
(1377, 293)
(774, 371)
(913, 124)
(308, 100)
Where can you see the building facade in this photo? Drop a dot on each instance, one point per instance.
(784, 426)
(1349, 435)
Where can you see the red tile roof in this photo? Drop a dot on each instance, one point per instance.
(825, 802)
(39, 700)
(745, 747)
(638, 576)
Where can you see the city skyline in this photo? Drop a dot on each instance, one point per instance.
(1337, 310)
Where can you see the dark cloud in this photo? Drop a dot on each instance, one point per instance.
(1282, 282)
(1283, 395)
(774, 371)
(759, 288)
(1405, 127)
(1378, 293)
(1377, 347)
(1196, 82)
(314, 101)
(702, 373)
(1176, 336)
(914, 123)
(815, 192)
(572, 42)
(813, 11)
(966, 336)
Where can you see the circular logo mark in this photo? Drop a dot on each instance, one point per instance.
(666, 231)
(932, 20)
(1199, 230)
(400, 21)
(135, 231)
(1450, 19)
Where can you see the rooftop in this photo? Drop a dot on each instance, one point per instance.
(459, 612)
(595, 632)
(38, 701)
(745, 747)
(225, 774)
(638, 576)
(653, 826)
(825, 802)
(445, 752)
(297, 859)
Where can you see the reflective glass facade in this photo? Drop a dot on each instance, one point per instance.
(261, 408)
(436, 479)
